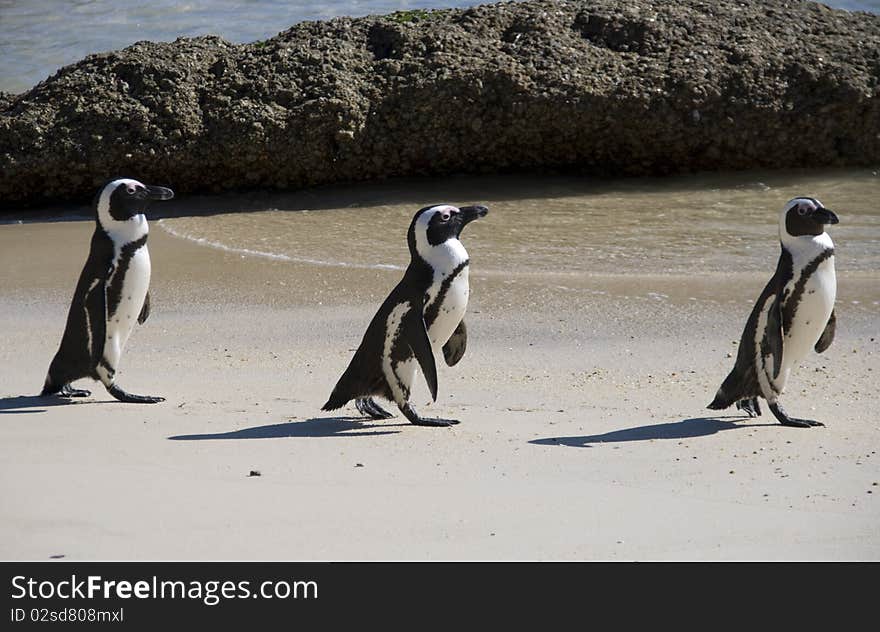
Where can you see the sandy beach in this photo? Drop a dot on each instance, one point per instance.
(584, 431)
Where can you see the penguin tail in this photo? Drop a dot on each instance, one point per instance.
(50, 387)
(728, 393)
(55, 380)
(337, 400)
(331, 405)
(349, 386)
(720, 402)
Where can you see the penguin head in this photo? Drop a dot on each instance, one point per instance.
(436, 226)
(805, 216)
(124, 200)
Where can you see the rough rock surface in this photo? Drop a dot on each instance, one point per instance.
(610, 87)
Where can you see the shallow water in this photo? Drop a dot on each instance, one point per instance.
(550, 226)
(37, 38)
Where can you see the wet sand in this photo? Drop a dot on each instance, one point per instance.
(582, 397)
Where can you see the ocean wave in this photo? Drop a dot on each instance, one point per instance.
(248, 252)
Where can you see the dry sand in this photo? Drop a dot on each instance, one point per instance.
(584, 432)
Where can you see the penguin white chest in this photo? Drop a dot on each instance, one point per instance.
(814, 306)
(133, 291)
(453, 300)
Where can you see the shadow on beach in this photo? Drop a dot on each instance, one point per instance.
(685, 429)
(315, 427)
(23, 404)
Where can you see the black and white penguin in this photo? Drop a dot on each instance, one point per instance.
(423, 315)
(795, 313)
(112, 293)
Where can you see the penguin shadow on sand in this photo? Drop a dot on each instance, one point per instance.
(30, 404)
(308, 428)
(684, 429)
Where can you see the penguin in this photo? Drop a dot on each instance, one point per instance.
(794, 313)
(111, 295)
(422, 317)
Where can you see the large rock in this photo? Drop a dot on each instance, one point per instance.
(610, 87)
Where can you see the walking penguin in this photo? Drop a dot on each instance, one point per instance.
(111, 295)
(422, 315)
(795, 313)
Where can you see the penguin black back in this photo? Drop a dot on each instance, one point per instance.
(742, 382)
(78, 355)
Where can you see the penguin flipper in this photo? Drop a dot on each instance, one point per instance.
(145, 310)
(773, 334)
(416, 335)
(96, 303)
(827, 336)
(455, 347)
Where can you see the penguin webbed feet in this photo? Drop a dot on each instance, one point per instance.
(416, 420)
(130, 398)
(750, 407)
(371, 408)
(66, 391)
(785, 420)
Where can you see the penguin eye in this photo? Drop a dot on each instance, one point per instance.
(131, 190)
(802, 209)
(445, 217)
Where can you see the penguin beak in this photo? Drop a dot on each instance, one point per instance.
(158, 193)
(470, 213)
(824, 216)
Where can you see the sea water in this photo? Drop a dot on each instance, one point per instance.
(541, 226)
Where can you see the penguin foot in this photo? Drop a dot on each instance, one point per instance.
(68, 391)
(437, 423)
(414, 418)
(785, 420)
(801, 423)
(130, 398)
(750, 407)
(369, 407)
